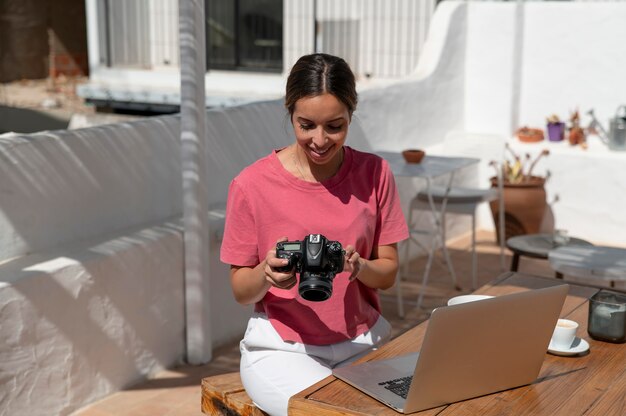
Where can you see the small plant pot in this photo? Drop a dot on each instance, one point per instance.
(556, 131)
(576, 136)
(413, 155)
(529, 135)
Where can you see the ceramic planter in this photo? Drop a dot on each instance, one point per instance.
(524, 207)
(576, 136)
(413, 155)
(529, 135)
(556, 131)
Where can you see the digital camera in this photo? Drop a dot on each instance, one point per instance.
(317, 260)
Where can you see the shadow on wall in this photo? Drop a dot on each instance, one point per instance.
(24, 120)
(80, 304)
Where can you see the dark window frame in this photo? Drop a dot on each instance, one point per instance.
(235, 58)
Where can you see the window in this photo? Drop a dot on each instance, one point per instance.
(244, 34)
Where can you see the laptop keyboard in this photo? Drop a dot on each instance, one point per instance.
(399, 386)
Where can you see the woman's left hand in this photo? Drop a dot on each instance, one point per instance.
(352, 262)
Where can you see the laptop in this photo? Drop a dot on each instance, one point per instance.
(469, 350)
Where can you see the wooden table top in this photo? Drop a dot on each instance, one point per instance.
(591, 384)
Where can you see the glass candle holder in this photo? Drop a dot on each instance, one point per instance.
(560, 237)
(607, 316)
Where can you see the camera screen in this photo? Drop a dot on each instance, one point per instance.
(291, 246)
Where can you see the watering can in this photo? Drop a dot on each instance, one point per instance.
(615, 139)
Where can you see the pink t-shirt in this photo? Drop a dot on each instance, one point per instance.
(359, 205)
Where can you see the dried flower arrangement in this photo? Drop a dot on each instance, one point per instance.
(553, 119)
(577, 134)
(520, 170)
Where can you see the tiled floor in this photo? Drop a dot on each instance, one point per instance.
(177, 391)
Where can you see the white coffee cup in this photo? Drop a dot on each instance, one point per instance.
(466, 298)
(564, 334)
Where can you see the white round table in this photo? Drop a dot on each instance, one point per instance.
(590, 262)
(537, 246)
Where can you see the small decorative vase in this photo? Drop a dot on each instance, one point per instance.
(413, 155)
(556, 131)
(576, 136)
(525, 206)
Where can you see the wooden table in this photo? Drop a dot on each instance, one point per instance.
(592, 384)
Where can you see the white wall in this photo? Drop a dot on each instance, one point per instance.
(494, 66)
(63, 186)
(418, 111)
(566, 55)
(528, 60)
(489, 66)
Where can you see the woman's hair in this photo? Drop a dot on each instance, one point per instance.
(320, 73)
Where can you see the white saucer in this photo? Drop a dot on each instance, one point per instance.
(578, 347)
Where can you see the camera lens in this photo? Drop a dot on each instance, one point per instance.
(315, 287)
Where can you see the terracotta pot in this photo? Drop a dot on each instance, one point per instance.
(524, 207)
(529, 135)
(576, 136)
(413, 155)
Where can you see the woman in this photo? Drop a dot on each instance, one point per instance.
(317, 185)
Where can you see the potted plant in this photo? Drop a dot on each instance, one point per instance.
(556, 128)
(576, 134)
(524, 195)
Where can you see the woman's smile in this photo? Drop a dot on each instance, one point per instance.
(320, 154)
(321, 127)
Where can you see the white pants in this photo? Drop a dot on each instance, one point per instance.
(273, 370)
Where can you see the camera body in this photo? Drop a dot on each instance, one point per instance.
(317, 260)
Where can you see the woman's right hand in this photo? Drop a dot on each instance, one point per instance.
(281, 280)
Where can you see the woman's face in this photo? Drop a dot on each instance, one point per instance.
(321, 126)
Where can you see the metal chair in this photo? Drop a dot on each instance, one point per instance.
(458, 201)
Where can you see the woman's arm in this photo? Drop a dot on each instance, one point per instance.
(250, 284)
(377, 273)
